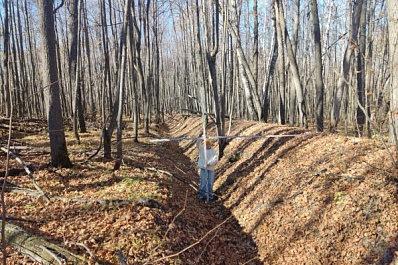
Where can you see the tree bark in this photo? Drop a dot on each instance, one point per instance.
(38, 249)
(293, 64)
(318, 67)
(392, 15)
(351, 45)
(123, 50)
(6, 59)
(59, 152)
(360, 70)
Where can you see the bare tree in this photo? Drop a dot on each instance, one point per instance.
(392, 12)
(293, 63)
(318, 66)
(59, 153)
(351, 45)
(6, 58)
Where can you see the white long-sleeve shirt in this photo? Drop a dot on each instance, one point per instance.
(211, 157)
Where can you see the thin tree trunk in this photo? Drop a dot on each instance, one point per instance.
(271, 68)
(123, 48)
(293, 64)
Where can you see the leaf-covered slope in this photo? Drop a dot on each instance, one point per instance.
(315, 199)
(183, 231)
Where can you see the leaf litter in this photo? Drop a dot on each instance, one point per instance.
(318, 199)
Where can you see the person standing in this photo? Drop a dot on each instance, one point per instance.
(208, 159)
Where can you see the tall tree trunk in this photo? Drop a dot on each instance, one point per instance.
(248, 82)
(392, 15)
(271, 69)
(6, 58)
(88, 55)
(318, 67)
(59, 152)
(148, 70)
(361, 71)
(351, 45)
(211, 54)
(74, 36)
(293, 64)
(282, 72)
(133, 83)
(255, 42)
(123, 48)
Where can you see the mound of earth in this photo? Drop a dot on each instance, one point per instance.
(309, 198)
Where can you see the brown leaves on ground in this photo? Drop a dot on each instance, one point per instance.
(307, 199)
(315, 199)
(144, 235)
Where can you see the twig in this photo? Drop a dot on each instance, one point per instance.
(373, 125)
(20, 219)
(208, 242)
(27, 171)
(97, 151)
(52, 255)
(247, 262)
(339, 176)
(86, 248)
(169, 228)
(301, 189)
(194, 244)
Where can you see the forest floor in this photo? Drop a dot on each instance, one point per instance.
(306, 199)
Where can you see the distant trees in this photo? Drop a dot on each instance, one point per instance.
(284, 61)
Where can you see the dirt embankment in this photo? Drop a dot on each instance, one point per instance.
(314, 199)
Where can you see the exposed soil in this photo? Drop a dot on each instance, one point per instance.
(305, 199)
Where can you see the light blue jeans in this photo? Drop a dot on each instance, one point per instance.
(206, 181)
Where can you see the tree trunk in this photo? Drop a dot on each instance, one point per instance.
(318, 67)
(74, 36)
(392, 13)
(148, 70)
(282, 72)
(293, 64)
(213, 30)
(123, 48)
(38, 249)
(351, 45)
(255, 41)
(6, 59)
(59, 152)
(361, 71)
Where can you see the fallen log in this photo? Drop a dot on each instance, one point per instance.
(28, 172)
(140, 201)
(39, 150)
(12, 172)
(38, 249)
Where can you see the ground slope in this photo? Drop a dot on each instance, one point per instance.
(183, 231)
(315, 199)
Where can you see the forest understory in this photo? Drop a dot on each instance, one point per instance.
(312, 198)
